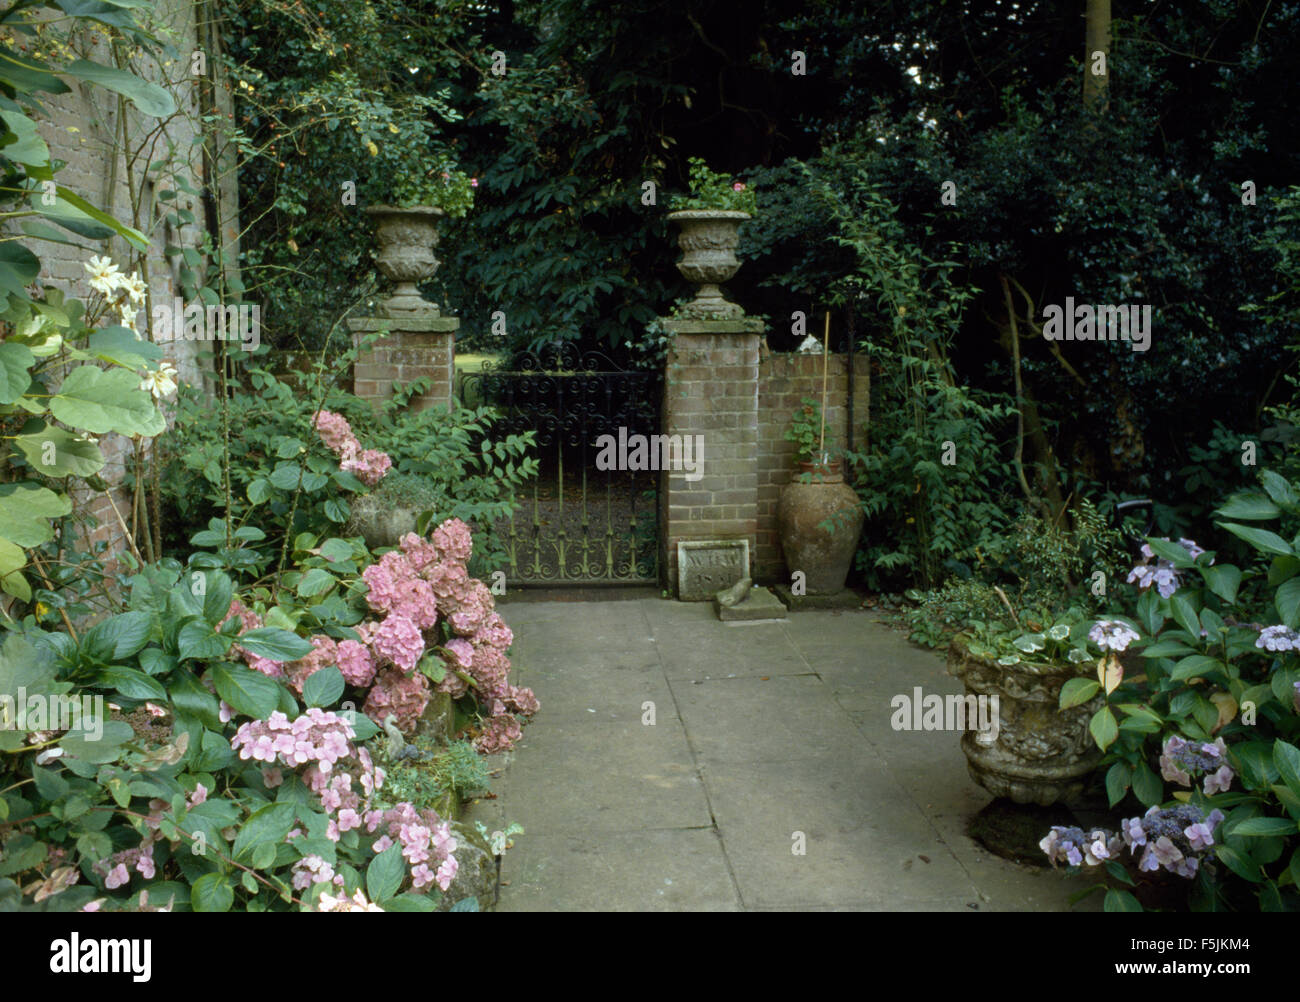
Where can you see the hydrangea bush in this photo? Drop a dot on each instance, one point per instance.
(1207, 736)
(233, 771)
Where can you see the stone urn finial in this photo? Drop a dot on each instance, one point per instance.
(406, 238)
(709, 238)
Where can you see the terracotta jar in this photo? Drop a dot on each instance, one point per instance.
(820, 519)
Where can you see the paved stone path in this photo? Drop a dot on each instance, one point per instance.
(760, 731)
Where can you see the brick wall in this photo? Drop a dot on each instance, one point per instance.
(412, 349)
(783, 381)
(711, 390)
(83, 128)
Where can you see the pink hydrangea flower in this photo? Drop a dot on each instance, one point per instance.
(399, 641)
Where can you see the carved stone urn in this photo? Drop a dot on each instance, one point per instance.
(709, 238)
(819, 518)
(406, 238)
(1037, 753)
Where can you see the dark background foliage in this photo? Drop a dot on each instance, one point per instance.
(1135, 201)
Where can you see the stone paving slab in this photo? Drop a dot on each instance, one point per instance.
(761, 730)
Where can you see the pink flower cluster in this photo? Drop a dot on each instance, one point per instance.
(317, 737)
(413, 588)
(369, 465)
(116, 869)
(425, 839)
(334, 768)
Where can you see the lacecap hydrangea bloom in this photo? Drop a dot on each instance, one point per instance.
(1171, 838)
(1112, 635)
(1163, 574)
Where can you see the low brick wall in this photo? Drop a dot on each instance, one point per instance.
(783, 381)
(412, 349)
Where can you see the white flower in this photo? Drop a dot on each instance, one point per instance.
(160, 382)
(126, 315)
(135, 288)
(104, 276)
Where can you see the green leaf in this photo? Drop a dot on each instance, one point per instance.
(412, 903)
(248, 692)
(23, 143)
(270, 824)
(1166, 649)
(189, 696)
(1261, 539)
(122, 347)
(469, 904)
(364, 727)
(16, 361)
(1103, 728)
(317, 581)
(132, 683)
(102, 401)
(49, 783)
(1120, 901)
(1265, 827)
(1118, 779)
(217, 594)
(123, 635)
(148, 97)
(1147, 786)
(12, 561)
(1287, 759)
(1223, 580)
(1174, 553)
(18, 269)
(1180, 606)
(1078, 691)
(198, 640)
(1239, 863)
(25, 513)
(212, 892)
(94, 747)
(68, 455)
(385, 874)
(323, 687)
(1287, 600)
(278, 645)
(1252, 506)
(1194, 667)
(1148, 610)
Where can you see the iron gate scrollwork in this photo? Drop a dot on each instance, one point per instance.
(576, 524)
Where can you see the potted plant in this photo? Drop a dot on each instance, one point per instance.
(1042, 749)
(710, 218)
(414, 191)
(818, 514)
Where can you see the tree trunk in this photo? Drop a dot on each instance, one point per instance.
(1096, 41)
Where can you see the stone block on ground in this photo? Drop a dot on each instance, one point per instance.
(846, 598)
(477, 874)
(760, 603)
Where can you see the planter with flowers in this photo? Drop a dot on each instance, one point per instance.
(412, 198)
(818, 514)
(710, 218)
(1042, 749)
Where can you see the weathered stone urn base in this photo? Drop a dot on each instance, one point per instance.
(817, 495)
(1039, 753)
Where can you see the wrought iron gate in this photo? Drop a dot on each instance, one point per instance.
(576, 524)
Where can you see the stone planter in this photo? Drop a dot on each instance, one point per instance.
(1041, 754)
(709, 238)
(815, 495)
(406, 238)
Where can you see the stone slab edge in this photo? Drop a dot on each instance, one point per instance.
(760, 603)
(846, 599)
